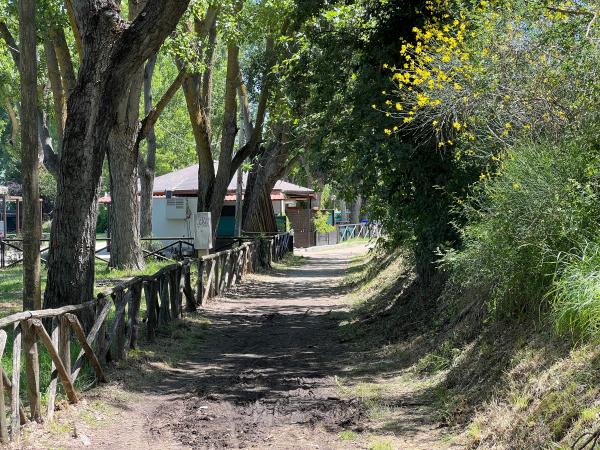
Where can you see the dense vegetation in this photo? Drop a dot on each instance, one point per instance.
(472, 141)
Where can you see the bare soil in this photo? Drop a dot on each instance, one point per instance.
(264, 373)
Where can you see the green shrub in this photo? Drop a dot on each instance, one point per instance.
(542, 205)
(321, 225)
(575, 296)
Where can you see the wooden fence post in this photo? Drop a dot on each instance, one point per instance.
(200, 284)
(187, 285)
(16, 378)
(3, 424)
(117, 335)
(32, 370)
(173, 285)
(64, 342)
(54, 374)
(164, 315)
(149, 295)
(132, 313)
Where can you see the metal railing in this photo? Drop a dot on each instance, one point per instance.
(358, 230)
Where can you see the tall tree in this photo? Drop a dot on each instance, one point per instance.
(212, 185)
(113, 51)
(147, 165)
(32, 227)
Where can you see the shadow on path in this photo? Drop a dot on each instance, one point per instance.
(264, 372)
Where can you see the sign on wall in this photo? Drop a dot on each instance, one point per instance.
(203, 231)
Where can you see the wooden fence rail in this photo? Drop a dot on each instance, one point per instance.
(107, 340)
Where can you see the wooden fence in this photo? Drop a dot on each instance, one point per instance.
(109, 339)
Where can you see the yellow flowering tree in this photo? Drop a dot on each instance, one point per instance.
(483, 75)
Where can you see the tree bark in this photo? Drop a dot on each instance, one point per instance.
(32, 226)
(56, 86)
(270, 166)
(229, 131)
(14, 122)
(147, 165)
(355, 207)
(112, 52)
(65, 63)
(244, 133)
(123, 159)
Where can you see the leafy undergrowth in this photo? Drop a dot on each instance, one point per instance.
(488, 383)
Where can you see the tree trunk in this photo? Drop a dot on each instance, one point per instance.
(229, 132)
(58, 97)
(355, 207)
(32, 227)
(123, 155)
(147, 165)
(258, 213)
(125, 249)
(244, 133)
(111, 55)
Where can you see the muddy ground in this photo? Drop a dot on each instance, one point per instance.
(262, 371)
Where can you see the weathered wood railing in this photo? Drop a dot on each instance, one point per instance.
(110, 336)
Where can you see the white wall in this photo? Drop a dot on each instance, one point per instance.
(163, 227)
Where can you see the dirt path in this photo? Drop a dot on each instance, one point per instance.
(263, 375)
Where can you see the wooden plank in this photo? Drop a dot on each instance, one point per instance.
(117, 334)
(86, 347)
(232, 271)
(42, 313)
(191, 303)
(64, 343)
(209, 281)
(223, 272)
(3, 423)
(133, 313)
(54, 374)
(15, 432)
(233, 279)
(150, 310)
(32, 370)
(97, 335)
(164, 315)
(217, 268)
(118, 337)
(173, 286)
(8, 387)
(239, 264)
(53, 352)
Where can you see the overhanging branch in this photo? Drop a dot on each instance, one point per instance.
(151, 118)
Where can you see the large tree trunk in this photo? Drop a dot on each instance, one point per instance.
(32, 227)
(112, 52)
(147, 165)
(258, 213)
(125, 249)
(123, 152)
